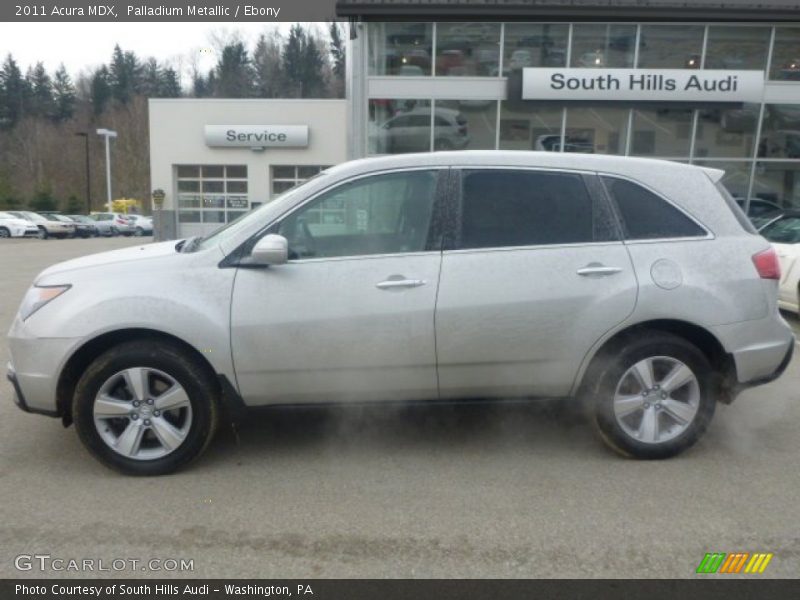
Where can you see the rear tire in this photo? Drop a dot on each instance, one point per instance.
(4, 233)
(651, 396)
(164, 440)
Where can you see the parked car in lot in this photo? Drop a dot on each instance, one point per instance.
(48, 226)
(142, 225)
(12, 226)
(784, 233)
(633, 285)
(85, 226)
(118, 224)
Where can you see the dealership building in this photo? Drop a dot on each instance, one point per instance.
(709, 83)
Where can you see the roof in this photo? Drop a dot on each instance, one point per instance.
(572, 10)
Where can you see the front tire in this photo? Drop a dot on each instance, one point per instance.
(652, 396)
(42, 233)
(4, 233)
(146, 408)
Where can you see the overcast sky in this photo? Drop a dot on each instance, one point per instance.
(84, 45)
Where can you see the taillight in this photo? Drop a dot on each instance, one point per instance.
(767, 264)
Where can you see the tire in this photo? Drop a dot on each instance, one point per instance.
(4, 233)
(139, 232)
(652, 423)
(42, 233)
(114, 232)
(169, 369)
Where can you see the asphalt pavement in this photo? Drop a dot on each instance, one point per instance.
(507, 490)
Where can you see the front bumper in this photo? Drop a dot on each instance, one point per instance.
(19, 396)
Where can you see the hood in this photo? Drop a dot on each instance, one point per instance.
(114, 257)
(16, 222)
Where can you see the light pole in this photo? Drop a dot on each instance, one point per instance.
(108, 134)
(85, 136)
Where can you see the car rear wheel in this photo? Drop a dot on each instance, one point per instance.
(653, 396)
(146, 408)
(139, 232)
(4, 233)
(114, 232)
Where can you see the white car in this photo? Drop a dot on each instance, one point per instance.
(114, 223)
(143, 225)
(48, 226)
(11, 226)
(784, 233)
(635, 286)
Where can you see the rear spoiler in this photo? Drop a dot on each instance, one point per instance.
(713, 174)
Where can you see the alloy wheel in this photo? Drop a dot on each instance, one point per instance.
(142, 413)
(657, 399)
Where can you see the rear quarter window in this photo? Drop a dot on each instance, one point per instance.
(646, 216)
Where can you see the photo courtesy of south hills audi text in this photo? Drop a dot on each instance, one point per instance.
(182, 590)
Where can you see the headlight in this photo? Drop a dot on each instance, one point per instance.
(38, 296)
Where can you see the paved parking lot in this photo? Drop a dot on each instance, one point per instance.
(507, 490)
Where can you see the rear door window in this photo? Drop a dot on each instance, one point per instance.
(506, 208)
(646, 216)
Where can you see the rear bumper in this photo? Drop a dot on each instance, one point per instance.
(761, 349)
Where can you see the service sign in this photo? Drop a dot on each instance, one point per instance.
(257, 136)
(661, 85)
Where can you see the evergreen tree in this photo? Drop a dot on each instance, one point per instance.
(75, 206)
(312, 80)
(43, 200)
(169, 86)
(234, 73)
(293, 61)
(150, 84)
(15, 93)
(41, 90)
(101, 90)
(63, 95)
(267, 66)
(125, 75)
(199, 86)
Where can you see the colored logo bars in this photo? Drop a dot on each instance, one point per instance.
(735, 562)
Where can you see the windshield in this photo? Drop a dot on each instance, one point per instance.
(34, 217)
(255, 215)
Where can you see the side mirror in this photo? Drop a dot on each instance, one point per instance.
(270, 250)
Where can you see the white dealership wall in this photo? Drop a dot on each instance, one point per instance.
(177, 137)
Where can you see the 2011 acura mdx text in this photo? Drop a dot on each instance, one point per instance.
(635, 286)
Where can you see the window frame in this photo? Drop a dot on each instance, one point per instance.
(434, 242)
(709, 235)
(600, 202)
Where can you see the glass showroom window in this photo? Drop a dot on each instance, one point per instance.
(397, 126)
(731, 47)
(778, 182)
(534, 45)
(285, 177)
(670, 46)
(780, 131)
(211, 193)
(526, 125)
(663, 132)
(400, 48)
(603, 45)
(786, 54)
(726, 132)
(468, 49)
(596, 130)
(465, 125)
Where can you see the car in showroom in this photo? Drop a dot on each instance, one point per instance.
(142, 225)
(12, 226)
(48, 226)
(784, 233)
(633, 287)
(410, 131)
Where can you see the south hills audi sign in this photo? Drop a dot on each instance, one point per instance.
(661, 85)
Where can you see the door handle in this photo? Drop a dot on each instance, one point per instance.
(399, 283)
(597, 270)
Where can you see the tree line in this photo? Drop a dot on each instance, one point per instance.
(42, 159)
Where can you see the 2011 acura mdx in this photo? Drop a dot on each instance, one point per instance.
(634, 285)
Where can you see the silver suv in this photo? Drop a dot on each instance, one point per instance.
(634, 286)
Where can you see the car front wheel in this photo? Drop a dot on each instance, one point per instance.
(42, 233)
(146, 408)
(653, 396)
(4, 233)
